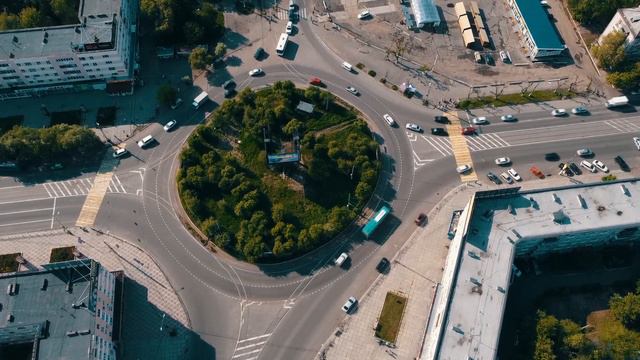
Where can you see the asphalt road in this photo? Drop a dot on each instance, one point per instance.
(288, 310)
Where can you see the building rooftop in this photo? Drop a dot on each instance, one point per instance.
(542, 31)
(48, 310)
(425, 12)
(95, 25)
(631, 17)
(501, 225)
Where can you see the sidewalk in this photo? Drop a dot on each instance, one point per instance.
(147, 292)
(415, 271)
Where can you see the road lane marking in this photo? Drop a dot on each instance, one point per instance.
(250, 346)
(118, 180)
(59, 188)
(254, 338)
(12, 187)
(66, 188)
(25, 222)
(435, 146)
(47, 190)
(93, 201)
(25, 211)
(501, 139)
(247, 353)
(610, 123)
(53, 212)
(629, 124)
(490, 140)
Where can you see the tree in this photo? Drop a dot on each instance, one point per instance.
(597, 13)
(626, 309)
(30, 17)
(625, 80)
(166, 95)
(193, 32)
(220, 50)
(65, 10)
(198, 59)
(611, 54)
(292, 126)
(9, 21)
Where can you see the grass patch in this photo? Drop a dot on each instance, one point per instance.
(62, 254)
(8, 263)
(609, 177)
(7, 123)
(106, 116)
(372, 73)
(515, 99)
(391, 317)
(73, 117)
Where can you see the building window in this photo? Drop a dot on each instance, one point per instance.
(81, 58)
(112, 68)
(105, 56)
(109, 62)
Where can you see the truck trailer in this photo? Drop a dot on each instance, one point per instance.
(617, 101)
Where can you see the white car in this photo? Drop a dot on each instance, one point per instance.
(145, 141)
(514, 174)
(579, 110)
(341, 259)
(120, 152)
(289, 27)
(589, 166)
(503, 161)
(256, 72)
(350, 304)
(507, 118)
(506, 178)
(364, 14)
(176, 104)
(504, 56)
(352, 90)
(559, 112)
(600, 166)
(636, 141)
(413, 127)
(584, 152)
(479, 120)
(168, 126)
(389, 120)
(463, 169)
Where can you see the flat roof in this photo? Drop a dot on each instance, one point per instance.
(533, 222)
(542, 31)
(32, 305)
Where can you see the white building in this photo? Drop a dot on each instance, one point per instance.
(90, 54)
(627, 21)
(498, 226)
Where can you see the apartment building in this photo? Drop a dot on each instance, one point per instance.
(627, 21)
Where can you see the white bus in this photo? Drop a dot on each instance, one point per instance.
(282, 44)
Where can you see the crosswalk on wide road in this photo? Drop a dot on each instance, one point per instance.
(475, 143)
(80, 187)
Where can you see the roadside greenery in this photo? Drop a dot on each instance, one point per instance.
(515, 99)
(62, 254)
(249, 208)
(189, 22)
(623, 70)
(8, 263)
(166, 95)
(59, 144)
(199, 58)
(24, 14)
(596, 14)
(391, 317)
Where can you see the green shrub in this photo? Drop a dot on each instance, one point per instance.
(394, 87)
(372, 73)
(360, 66)
(609, 177)
(383, 80)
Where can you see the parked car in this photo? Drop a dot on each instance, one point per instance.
(535, 171)
(364, 14)
(463, 169)
(413, 127)
(439, 131)
(120, 152)
(469, 130)
(229, 84)
(441, 119)
(506, 178)
(575, 168)
(489, 58)
(623, 164)
(168, 126)
(503, 161)
(176, 104)
(477, 56)
(350, 304)
(479, 120)
(600, 166)
(636, 141)
(289, 28)
(389, 120)
(559, 112)
(494, 178)
(256, 72)
(552, 156)
(352, 90)
(259, 53)
(420, 219)
(589, 166)
(508, 118)
(342, 259)
(579, 110)
(584, 152)
(345, 65)
(514, 174)
(383, 265)
(504, 57)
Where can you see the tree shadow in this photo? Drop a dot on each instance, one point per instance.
(233, 61)
(234, 40)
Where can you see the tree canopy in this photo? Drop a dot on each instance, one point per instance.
(199, 58)
(24, 14)
(597, 13)
(248, 208)
(624, 72)
(166, 95)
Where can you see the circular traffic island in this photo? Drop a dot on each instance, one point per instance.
(275, 173)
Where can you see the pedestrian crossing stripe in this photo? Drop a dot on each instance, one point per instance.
(94, 199)
(460, 147)
(283, 14)
(475, 143)
(79, 187)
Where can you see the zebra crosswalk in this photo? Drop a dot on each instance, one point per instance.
(80, 187)
(249, 349)
(283, 14)
(624, 125)
(475, 143)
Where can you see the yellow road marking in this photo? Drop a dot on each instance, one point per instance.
(94, 199)
(460, 147)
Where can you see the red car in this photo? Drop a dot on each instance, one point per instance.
(470, 130)
(315, 81)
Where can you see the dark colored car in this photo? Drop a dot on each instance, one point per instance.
(229, 84)
(469, 130)
(259, 53)
(441, 119)
(575, 168)
(489, 59)
(229, 93)
(494, 178)
(439, 131)
(420, 219)
(551, 156)
(623, 164)
(383, 265)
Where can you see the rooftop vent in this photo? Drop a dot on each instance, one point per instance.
(473, 255)
(475, 281)
(601, 208)
(556, 198)
(534, 203)
(46, 34)
(619, 212)
(11, 56)
(458, 329)
(559, 217)
(511, 210)
(624, 189)
(501, 289)
(15, 39)
(582, 202)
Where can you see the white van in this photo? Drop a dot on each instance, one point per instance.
(200, 99)
(477, 56)
(342, 259)
(347, 66)
(145, 141)
(289, 27)
(589, 166)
